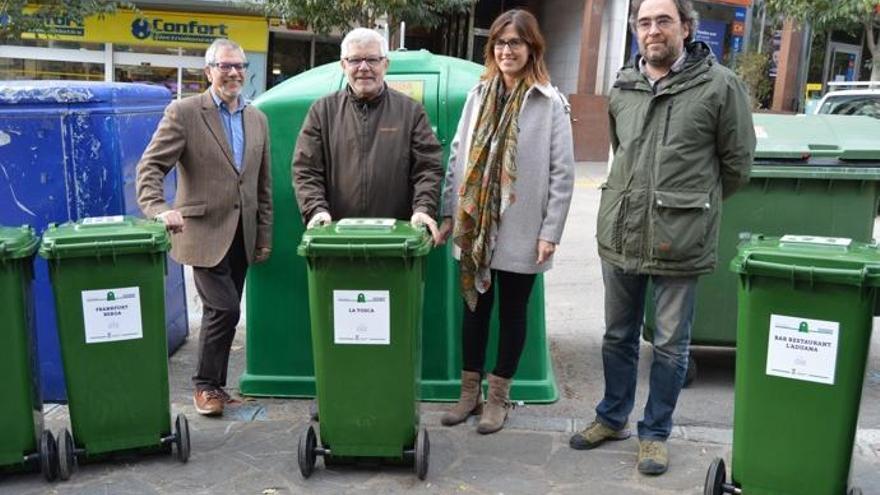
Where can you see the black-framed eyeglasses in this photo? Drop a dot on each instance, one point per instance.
(663, 23)
(225, 67)
(512, 43)
(357, 61)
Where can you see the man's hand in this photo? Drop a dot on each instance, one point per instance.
(319, 219)
(446, 229)
(262, 254)
(545, 250)
(172, 219)
(420, 218)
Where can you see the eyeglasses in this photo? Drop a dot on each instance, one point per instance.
(512, 43)
(357, 61)
(663, 23)
(225, 67)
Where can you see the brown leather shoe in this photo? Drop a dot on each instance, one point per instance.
(209, 402)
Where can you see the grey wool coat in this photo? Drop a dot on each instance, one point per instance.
(544, 183)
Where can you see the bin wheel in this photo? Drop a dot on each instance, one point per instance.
(691, 373)
(48, 455)
(66, 455)
(423, 450)
(306, 454)
(181, 438)
(854, 490)
(715, 478)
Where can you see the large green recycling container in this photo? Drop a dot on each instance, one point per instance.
(108, 276)
(805, 313)
(21, 416)
(812, 174)
(366, 280)
(279, 359)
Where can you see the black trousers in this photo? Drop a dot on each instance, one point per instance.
(220, 288)
(513, 297)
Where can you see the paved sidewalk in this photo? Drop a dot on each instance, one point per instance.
(252, 449)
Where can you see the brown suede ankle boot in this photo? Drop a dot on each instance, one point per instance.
(497, 405)
(470, 401)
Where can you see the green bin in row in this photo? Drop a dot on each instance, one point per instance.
(279, 357)
(108, 276)
(24, 444)
(366, 281)
(806, 307)
(812, 175)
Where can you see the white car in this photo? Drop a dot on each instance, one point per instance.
(859, 98)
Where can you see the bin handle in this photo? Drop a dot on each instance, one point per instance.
(356, 248)
(114, 244)
(850, 276)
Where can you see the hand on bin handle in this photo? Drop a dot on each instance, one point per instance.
(319, 219)
(420, 218)
(172, 219)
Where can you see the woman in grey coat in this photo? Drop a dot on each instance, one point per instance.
(506, 196)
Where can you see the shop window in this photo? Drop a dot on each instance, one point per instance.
(194, 81)
(326, 52)
(17, 68)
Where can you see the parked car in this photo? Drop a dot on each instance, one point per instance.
(851, 98)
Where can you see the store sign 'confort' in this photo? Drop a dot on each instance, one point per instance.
(158, 29)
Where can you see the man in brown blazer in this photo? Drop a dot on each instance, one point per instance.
(221, 219)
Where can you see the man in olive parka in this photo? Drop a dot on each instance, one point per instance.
(683, 139)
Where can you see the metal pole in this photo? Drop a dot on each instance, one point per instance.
(763, 26)
(402, 34)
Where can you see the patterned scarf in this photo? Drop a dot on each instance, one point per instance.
(487, 188)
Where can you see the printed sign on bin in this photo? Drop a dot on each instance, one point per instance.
(361, 317)
(802, 349)
(112, 314)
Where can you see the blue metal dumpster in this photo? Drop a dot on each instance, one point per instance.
(68, 150)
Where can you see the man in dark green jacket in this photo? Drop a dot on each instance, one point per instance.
(683, 139)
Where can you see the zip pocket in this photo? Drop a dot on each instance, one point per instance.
(668, 118)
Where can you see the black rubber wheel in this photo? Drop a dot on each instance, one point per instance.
(48, 456)
(423, 451)
(854, 490)
(691, 373)
(181, 438)
(306, 455)
(715, 478)
(66, 455)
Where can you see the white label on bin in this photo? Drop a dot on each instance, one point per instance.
(103, 220)
(361, 317)
(112, 314)
(802, 349)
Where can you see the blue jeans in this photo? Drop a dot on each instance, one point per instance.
(624, 312)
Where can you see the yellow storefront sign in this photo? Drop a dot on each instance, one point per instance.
(156, 28)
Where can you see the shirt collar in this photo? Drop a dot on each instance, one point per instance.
(242, 102)
(677, 66)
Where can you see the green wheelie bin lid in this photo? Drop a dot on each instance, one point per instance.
(817, 138)
(812, 259)
(365, 238)
(101, 236)
(17, 242)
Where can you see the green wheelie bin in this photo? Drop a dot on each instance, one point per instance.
(108, 276)
(24, 444)
(366, 285)
(806, 305)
